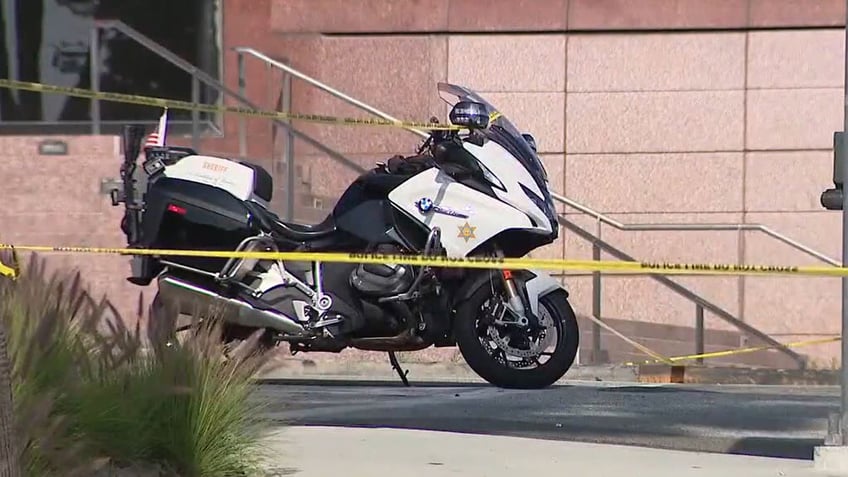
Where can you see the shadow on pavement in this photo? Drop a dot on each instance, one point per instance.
(654, 389)
(387, 383)
(787, 448)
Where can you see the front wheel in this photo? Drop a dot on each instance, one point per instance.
(518, 358)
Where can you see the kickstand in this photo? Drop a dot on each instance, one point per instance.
(397, 368)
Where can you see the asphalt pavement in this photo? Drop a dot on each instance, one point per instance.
(770, 421)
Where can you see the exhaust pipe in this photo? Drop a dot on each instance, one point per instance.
(231, 311)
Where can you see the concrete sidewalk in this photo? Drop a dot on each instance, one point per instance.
(354, 452)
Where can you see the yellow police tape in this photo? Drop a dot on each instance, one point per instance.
(732, 352)
(621, 267)
(7, 271)
(484, 263)
(624, 267)
(209, 108)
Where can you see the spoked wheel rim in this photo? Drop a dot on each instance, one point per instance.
(516, 347)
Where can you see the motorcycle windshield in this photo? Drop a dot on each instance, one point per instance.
(503, 132)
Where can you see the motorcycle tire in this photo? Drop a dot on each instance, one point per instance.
(493, 371)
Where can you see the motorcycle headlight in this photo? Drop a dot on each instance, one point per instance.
(490, 177)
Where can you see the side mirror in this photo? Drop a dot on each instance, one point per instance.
(531, 141)
(470, 115)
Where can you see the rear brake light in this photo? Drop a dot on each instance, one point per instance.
(176, 209)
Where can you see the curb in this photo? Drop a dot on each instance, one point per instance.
(297, 371)
(293, 371)
(679, 374)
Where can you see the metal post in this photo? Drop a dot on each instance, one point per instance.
(242, 124)
(94, 72)
(195, 114)
(288, 154)
(699, 332)
(273, 130)
(740, 280)
(596, 300)
(272, 126)
(844, 159)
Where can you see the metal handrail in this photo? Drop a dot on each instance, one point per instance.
(329, 89)
(197, 75)
(701, 302)
(693, 227)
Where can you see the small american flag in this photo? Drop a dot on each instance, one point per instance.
(152, 140)
(157, 137)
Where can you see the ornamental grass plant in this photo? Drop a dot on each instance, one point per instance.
(95, 396)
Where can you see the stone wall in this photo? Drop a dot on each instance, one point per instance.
(695, 111)
(647, 110)
(56, 201)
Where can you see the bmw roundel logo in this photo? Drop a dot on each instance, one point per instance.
(424, 204)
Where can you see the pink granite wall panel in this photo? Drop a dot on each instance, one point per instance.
(55, 200)
(787, 119)
(641, 298)
(672, 246)
(790, 305)
(795, 13)
(338, 16)
(654, 122)
(540, 114)
(656, 62)
(656, 14)
(807, 65)
(345, 16)
(786, 304)
(656, 183)
(508, 63)
(644, 299)
(507, 15)
(388, 16)
(245, 24)
(394, 74)
(787, 180)
(796, 59)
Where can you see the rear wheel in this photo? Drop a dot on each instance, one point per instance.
(519, 358)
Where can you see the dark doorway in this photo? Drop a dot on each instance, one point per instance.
(49, 41)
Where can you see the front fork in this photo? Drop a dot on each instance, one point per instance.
(515, 303)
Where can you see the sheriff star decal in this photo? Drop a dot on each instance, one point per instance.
(466, 232)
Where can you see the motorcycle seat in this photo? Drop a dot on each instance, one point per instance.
(294, 231)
